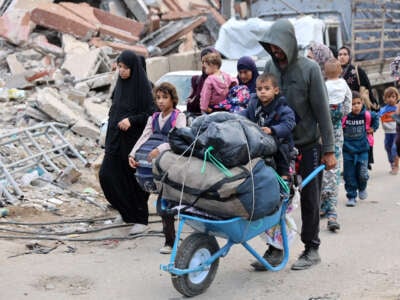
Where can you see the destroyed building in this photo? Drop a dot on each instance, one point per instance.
(56, 76)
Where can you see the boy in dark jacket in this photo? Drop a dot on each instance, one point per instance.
(270, 111)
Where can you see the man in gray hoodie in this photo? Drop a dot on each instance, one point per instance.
(302, 84)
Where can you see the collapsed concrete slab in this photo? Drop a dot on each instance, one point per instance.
(99, 80)
(170, 33)
(36, 114)
(60, 19)
(40, 42)
(71, 45)
(138, 9)
(94, 61)
(86, 129)
(16, 27)
(107, 24)
(15, 66)
(96, 112)
(15, 22)
(138, 49)
(49, 102)
(125, 24)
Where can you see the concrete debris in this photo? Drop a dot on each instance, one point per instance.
(15, 66)
(95, 61)
(96, 112)
(86, 129)
(50, 102)
(138, 9)
(69, 176)
(56, 17)
(57, 61)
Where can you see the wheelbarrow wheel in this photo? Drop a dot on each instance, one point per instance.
(195, 250)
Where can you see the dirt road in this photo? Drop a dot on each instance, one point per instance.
(360, 262)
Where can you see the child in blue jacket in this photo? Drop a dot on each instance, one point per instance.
(391, 97)
(356, 127)
(270, 111)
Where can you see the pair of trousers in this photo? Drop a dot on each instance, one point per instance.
(310, 196)
(355, 174)
(390, 146)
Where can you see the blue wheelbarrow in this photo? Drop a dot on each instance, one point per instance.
(194, 263)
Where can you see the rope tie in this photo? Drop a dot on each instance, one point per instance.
(215, 162)
(282, 182)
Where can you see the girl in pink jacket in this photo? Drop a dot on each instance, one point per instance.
(217, 84)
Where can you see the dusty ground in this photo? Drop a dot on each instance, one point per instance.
(359, 262)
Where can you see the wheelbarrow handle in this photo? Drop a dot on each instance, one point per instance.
(312, 175)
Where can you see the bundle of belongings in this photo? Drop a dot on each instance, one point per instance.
(218, 165)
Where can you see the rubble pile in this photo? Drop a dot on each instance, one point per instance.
(57, 56)
(57, 67)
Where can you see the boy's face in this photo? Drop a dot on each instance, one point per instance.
(356, 106)
(164, 101)
(266, 92)
(392, 99)
(124, 71)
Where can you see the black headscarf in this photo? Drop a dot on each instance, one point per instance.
(356, 77)
(132, 99)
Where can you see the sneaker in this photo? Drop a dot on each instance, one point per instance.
(138, 228)
(307, 259)
(166, 249)
(363, 194)
(351, 202)
(394, 170)
(118, 220)
(273, 255)
(333, 225)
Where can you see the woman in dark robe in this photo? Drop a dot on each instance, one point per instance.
(355, 76)
(247, 73)
(132, 104)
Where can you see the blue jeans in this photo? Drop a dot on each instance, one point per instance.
(390, 146)
(355, 174)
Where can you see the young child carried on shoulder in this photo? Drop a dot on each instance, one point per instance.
(339, 95)
(216, 86)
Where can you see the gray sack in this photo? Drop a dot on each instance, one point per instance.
(214, 192)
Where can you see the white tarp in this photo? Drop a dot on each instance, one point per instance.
(237, 38)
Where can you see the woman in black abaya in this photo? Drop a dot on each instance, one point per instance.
(132, 104)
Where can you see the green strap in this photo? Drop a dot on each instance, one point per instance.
(282, 182)
(215, 162)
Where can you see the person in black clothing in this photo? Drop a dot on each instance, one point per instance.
(355, 76)
(302, 84)
(132, 104)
